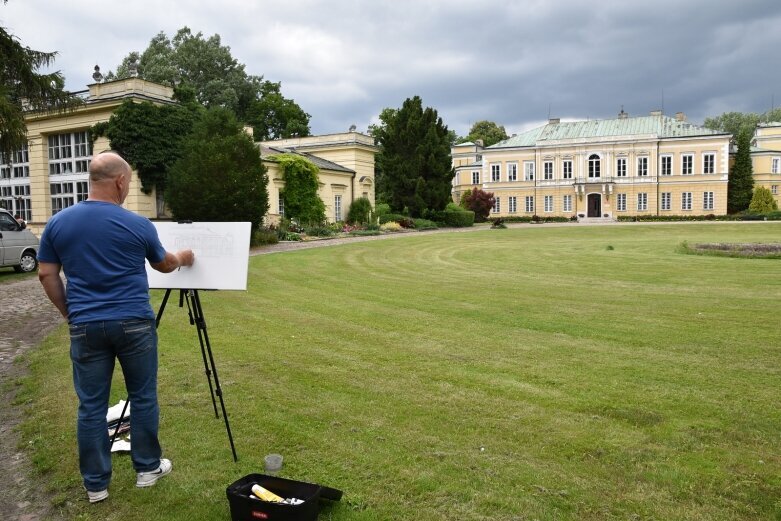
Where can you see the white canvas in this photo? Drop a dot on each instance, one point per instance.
(221, 255)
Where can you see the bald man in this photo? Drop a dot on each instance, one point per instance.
(101, 248)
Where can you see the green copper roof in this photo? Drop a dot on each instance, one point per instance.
(658, 127)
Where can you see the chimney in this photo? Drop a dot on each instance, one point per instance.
(680, 116)
(655, 113)
(554, 121)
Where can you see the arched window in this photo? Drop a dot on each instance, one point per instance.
(593, 165)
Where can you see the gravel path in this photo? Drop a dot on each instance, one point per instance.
(28, 317)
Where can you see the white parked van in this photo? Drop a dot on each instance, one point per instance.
(18, 246)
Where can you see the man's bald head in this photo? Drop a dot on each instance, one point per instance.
(107, 166)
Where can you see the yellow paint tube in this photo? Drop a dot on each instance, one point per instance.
(266, 495)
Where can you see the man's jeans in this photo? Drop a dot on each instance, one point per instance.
(94, 346)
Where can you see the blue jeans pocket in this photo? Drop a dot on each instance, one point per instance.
(139, 336)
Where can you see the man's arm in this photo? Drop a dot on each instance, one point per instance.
(49, 275)
(171, 261)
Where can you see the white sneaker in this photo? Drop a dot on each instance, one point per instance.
(147, 479)
(94, 497)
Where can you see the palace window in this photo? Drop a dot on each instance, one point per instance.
(512, 203)
(496, 172)
(547, 168)
(621, 202)
(69, 153)
(19, 165)
(529, 203)
(16, 186)
(667, 165)
(280, 205)
(708, 163)
(566, 167)
(62, 196)
(476, 177)
(642, 202)
(707, 200)
(512, 171)
(528, 170)
(687, 164)
(497, 205)
(686, 201)
(621, 167)
(567, 203)
(548, 203)
(774, 189)
(775, 167)
(667, 200)
(594, 166)
(337, 208)
(642, 166)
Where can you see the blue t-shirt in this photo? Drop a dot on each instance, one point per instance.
(102, 247)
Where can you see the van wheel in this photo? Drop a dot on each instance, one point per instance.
(27, 264)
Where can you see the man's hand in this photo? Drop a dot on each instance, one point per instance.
(186, 257)
(172, 261)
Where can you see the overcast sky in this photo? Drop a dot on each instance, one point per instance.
(512, 62)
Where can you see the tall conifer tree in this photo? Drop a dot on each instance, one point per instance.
(741, 180)
(414, 158)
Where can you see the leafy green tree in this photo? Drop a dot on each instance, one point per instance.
(741, 179)
(218, 80)
(733, 122)
(273, 116)
(300, 193)
(150, 137)
(762, 201)
(23, 88)
(220, 176)
(414, 158)
(488, 131)
(480, 202)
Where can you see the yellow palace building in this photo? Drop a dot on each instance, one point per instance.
(766, 158)
(601, 169)
(51, 172)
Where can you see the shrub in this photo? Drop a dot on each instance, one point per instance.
(480, 202)
(382, 209)
(498, 223)
(425, 224)
(391, 217)
(319, 230)
(264, 236)
(289, 236)
(762, 201)
(454, 207)
(402, 220)
(457, 219)
(390, 226)
(773, 216)
(360, 211)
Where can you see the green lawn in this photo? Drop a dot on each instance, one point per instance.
(527, 373)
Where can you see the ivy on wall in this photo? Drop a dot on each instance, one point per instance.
(300, 193)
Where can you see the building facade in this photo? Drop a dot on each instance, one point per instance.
(766, 158)
(346, 164)
(601, 169)
(51, 172)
